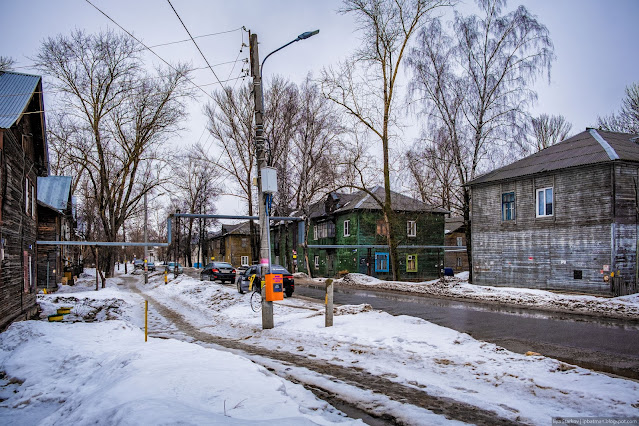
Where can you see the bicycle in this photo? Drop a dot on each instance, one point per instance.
(256, 296)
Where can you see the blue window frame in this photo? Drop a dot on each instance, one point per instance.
(508, 206)
(381, 262)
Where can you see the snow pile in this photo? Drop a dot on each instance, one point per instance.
(458, 287)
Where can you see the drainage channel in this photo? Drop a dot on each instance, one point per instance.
(451, 409)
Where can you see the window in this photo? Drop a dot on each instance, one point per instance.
(381, 262)
(460, 241)
(324, 230)
(508, 206)
(27, 197)
(459, 262)
(382, 229)
(315, 232)
(544, 202)
(411, 228)
(244, 242)
(347, 228)
(411, 263)
(244, 261)
(316, 262)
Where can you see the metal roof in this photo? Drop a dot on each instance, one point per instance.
(585, 148)
(16, 90)
(54, 191)
(399, 202)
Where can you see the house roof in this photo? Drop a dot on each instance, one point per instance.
(453, 224)
(364, 201)
(589, 147)
(54, 191)
(16, 90)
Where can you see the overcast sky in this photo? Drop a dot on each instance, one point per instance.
(595, 42)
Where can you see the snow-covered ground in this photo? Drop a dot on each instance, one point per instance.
(103, 372)
(458, 287)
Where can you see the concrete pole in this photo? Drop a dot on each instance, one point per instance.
(146, 240)
(329, 303)
(267, 307)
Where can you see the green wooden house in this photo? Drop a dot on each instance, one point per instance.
(347, 233)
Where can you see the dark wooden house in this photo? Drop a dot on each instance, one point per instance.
(455, 236)
(55, 223)
(565, 218)
(23, 157)
(232, 244)
(351, 232)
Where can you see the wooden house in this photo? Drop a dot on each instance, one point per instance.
(55, 223)
(23, 158)
(347, 233)
(232, 244)
(455, 236)
(565, 218)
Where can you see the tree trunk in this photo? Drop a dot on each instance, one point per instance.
(469, 252)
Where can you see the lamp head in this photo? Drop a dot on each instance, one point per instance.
(307, 34)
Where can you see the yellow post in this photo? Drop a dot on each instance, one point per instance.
(166, 277)
(146, 319)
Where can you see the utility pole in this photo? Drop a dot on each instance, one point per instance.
(146, 240)
(267, 307)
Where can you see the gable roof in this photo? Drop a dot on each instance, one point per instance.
(589, 147)
(364, 201)
(54, 191)
(453, 224)
(16, 90)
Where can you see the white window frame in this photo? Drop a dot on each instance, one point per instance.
(460, 241)
(543, 192)
(347, 228)
(411, 228)
(244, 260)
(315, 232)
(316, 261)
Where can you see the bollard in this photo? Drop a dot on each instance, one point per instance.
(166, 277)
(146, 319)
(329, 303)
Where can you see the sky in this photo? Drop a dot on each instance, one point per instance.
(595, 48)
(81, 372)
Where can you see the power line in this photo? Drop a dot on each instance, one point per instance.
(201, 36)
(148, 48)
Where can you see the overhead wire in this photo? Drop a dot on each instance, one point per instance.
(149, 49)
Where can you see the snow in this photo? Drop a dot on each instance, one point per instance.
(103, 372)
(625, 307)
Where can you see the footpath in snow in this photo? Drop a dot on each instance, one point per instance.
(103, 372)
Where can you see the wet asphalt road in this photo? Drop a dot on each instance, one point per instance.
(602, 344)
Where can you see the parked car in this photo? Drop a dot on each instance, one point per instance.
(170, 268)
(150, 266)
(242, 281)
(138, 264)
(218, 271)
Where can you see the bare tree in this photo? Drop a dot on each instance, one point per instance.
(549, 129)
(627, 119)
(120, 115)
(230, 123)
(6, 63)
(195, 179)
(475, 83)
(365, 85)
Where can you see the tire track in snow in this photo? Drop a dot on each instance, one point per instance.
(450, 408)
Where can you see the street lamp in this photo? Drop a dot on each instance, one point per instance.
(258, 93)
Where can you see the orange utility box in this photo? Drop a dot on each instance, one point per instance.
(274, 287)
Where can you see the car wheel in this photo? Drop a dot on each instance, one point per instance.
(288, 292)
(239, 287)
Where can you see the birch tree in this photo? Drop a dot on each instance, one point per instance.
(627, 119)
(365, 85)
(547, 130)
(475, 82)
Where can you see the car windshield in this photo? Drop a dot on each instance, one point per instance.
(277, 269)
(223, 265)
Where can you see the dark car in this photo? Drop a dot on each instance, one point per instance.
(150, 266)
(218, 271)
(138, 264)
(170, 268)
(242, 281)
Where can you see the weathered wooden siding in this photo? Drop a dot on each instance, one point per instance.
(625, 246)
(545, 252)
(18, 231)
(49, 257)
